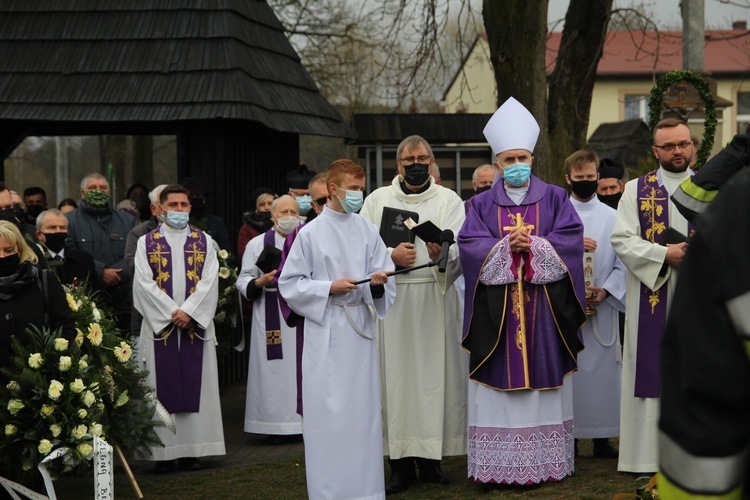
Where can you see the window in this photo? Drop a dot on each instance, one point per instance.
(743, 111)
(636, 106)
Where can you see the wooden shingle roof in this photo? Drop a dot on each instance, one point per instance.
(156, 61)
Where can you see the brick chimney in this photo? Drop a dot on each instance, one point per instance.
(739, 25)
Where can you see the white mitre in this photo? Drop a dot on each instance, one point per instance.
(511, 127)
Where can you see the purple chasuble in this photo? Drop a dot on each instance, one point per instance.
(522, 340)
(291, 318)
(653, 216)
(179, 370)
(273, 324)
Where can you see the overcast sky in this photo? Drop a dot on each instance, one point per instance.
(719, 14)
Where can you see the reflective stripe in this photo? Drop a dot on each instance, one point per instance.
(670, 491)
(696, 192)
(703, 475)
(687, 201)
(739, 313)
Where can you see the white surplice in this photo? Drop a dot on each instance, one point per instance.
(424, 370)
(271, 401)
(596, 384)
(639, 416)
(198, 433)
(340, 383)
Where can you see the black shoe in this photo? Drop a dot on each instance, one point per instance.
(164, 466)
(603, 449)
(402, 475)
(430, 472)
(190, 464)
(575, 447)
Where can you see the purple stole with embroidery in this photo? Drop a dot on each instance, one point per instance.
(273, 323)
(179, 369)
(653, 216)
(521, 299)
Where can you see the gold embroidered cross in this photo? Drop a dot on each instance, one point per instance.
(159, 257)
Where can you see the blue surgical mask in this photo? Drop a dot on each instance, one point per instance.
(353, 200)
(304, 203)
(177, 220)
(517, 174)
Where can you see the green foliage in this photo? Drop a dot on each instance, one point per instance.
(228, 305)
(704, 92)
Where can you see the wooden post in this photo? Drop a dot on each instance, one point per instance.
(131, 477)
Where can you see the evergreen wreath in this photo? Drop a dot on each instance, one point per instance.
(696, 81)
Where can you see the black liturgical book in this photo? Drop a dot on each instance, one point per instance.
(392, 228)
(269, 259)
(673, 236)
(426, 230)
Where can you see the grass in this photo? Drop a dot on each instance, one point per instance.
(594, 479)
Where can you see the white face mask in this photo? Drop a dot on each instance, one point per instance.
(286, 225)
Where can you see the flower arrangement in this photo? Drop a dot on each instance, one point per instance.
(62, 392)
(225, 319)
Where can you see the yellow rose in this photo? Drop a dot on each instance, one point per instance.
(82, 413)
(13, 386)
(36, 360)
(47, 410)
(223, 254)
(44, 447)
(61, 344)
(95, 334)
(82, 364)
(224, 273)
(14, 406)
(10, 429)
(65, 363)
(123, 352)
(77, 386)
(55, 429)
(79, 431)
(71, 302)
(96, 429)
(79, 337)
(55, 389)
(84, 449)
(88, 398)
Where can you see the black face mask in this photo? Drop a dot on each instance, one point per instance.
(584, 189)
(33, 211)
(55, 241)
(484, 188)
(197, 208)
(9, 264)
(416, 174)
(9, 214)
(610, 199)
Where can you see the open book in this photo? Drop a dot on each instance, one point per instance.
(426, 230)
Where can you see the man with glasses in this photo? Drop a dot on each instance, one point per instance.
(650, 238)
(423, 369)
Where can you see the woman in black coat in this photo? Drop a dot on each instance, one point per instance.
(22, 302)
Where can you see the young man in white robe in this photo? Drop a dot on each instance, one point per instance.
(340, 382)
(596, 384)
(176, 290)
(271, 402)
(423, 368)
(645, 217)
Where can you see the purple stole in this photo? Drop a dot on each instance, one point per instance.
(178, 370)
(273, 323)
(653, 216)
(520, 308)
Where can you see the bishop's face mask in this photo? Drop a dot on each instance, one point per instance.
(517, 174)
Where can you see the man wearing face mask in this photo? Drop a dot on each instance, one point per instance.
(35, 199)
(199, 216)
(299, 188)
(481, 181)
(99, 230)
(612, 178)
(68, 264)
(596, 395)
(646, 237)
(521, 251)
(176, 291)
(423, 372)
(132, 244)
(271, 402)
(318, 194)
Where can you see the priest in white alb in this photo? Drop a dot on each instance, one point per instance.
(271, 402)
(596, 384)
(176, 290)
(650, 238)
(340, 383)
